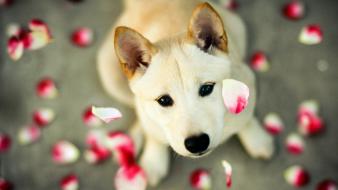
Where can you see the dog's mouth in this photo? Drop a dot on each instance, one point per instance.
(200, 154)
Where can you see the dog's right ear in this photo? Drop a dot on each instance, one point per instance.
(133, 50)
(206, 29)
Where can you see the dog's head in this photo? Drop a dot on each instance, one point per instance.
(177, 82)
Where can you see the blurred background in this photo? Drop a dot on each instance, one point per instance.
(297, 72)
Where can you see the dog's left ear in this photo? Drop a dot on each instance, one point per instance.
(206, 29)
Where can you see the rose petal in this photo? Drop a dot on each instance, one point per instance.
(232, 5)
(90, 119)
(228, 172)
(106, 114)
(5, 142)
(309, 106)
(82, 37)
(64, 152)
(38, 40)
(43, 116)
(122, 147)
(327, 184)
(96, 154)
(311, 35)
(259, 62)
(296, 176)
(40, 26)
(309, 124)
(200, 179)
(5, 184)
(46, 88)
(293, 10)
(29, 134)
(295, 144)
(96, 137)
(13, 29)
(130, 178)
(15, 48)
(273, 123)
(69, 182)
(6, 2)
(235, 95)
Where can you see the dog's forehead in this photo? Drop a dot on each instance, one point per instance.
(180, 67)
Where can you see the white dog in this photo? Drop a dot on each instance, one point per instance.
(174, 55)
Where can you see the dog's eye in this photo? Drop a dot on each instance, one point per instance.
(206, 89)
(165, 100)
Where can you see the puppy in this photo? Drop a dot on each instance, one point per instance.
(167, 59)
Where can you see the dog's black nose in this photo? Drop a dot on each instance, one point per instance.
(197, 144)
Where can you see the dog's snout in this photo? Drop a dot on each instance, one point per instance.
(197, 144)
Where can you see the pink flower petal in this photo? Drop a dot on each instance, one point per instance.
(96, 137)
(309, 124)
(90, 119)
(311, 35)
(273, 123)
(130, 178)
(97, 154)
(38, 36)
(69, 182)
(29, 134)
(200, 179)
(327, 184)
(6, 2)
(295, 144)
(41, 26)
(309, 106)
(15, 48)
(64, 152)
(235, 95)
(232, 5)
(13, 29)
(122, 147)
(38, 40)
(46, 88)
(5, 142)
(228, 173)
(5, 184)
(43, 116)
(296, 176)
(82, 37)
(293, 10)
(259, 62)
(106, 114)
(26, 37)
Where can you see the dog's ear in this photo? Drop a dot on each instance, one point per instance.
(133, 50)
(206, 29)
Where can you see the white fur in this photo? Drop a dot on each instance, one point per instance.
(179, 69)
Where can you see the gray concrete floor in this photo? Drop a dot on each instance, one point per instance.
(293, 77)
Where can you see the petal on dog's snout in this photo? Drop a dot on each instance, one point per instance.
(106, 114)
(235, 95)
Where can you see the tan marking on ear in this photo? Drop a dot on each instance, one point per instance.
(132, 50)
(207, 12)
